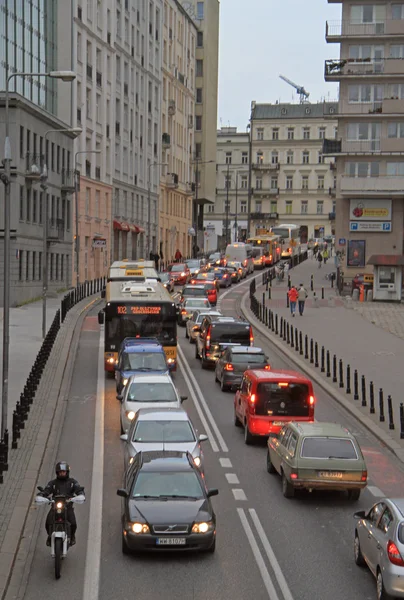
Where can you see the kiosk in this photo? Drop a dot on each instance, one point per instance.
(388, 276)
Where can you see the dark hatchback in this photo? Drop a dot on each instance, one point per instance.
(166, 505)
(215, 336)
(235, 360)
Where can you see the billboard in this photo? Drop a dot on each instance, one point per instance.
(370, 210)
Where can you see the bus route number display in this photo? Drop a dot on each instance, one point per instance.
(138, 310)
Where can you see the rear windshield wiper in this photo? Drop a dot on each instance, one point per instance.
(341, 457)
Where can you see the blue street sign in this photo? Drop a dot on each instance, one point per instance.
(386, 226)
(353, 226)
(342, 241)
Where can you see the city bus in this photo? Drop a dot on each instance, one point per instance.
(290, 237)
(138, 309)
(271, 245)
(124, 270)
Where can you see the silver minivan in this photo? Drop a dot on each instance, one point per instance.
(241, 252)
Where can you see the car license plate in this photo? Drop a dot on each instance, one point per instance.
(171, 541)
(279, 423)
(330, 474)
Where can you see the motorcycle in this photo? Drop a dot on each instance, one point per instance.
(60, 536)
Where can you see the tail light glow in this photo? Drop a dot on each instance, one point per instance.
(311, 400)
(251, 336)
(252, 399)
(245, 263)
(228, 367)
(294, 475)
(394, 554)
(208, 339)
(283, 384)
(364, 476)
(267, 367)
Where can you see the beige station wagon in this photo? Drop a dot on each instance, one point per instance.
(317, 456)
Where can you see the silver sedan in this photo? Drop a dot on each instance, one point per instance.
(379, 544)
(196, 319)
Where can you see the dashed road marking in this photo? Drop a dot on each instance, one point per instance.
(375, 491)
(239, 494)
(232, 478)
(225, 463)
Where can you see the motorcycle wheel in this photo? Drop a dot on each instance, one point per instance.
(58, 556)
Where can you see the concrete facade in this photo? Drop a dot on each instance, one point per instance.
(369, 151)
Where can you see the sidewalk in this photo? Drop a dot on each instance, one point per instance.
(374, 352)
(25, 342)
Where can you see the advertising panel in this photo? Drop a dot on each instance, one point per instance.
(374, 209)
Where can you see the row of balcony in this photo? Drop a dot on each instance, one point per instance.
(379, 146)
(262, 166)
(335, 31)
(260, 216)
(340, 68)
(331, 191)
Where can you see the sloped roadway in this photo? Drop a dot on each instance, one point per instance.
(267, 546)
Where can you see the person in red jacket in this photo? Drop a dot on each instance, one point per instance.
(293, 296)
(178, 256)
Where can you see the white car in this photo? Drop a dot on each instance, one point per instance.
(166, 429)
(147, 391)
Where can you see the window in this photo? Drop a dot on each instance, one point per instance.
(395, 169)
(397, 11)
(258, 183)
(385, 521)
(21, 203)
(289, 157)
(20, 264)
(289, 182)
(88, 201)
(198, 95)
(260, 158)
(305, 182)
(200, 10)
(306, 157)
(211, 208)
(198, 123)
(274, 206)
(367, 13)
(260, 133)
(244, 182)
(199, 67)
(397, 51)
(303, 208)
(365, 93)
(275, 133)
(395, 130)
(34, 206)
(274, 183)
(39, 265)
(396, 91)
(258, 206)
(79, 44)
(244, 158)
(306, 133)
(198, 150)
(288, 210)
(274, 157)
(321, 133)
(227, 182)
(21, 142)
(320, 207)
(363, 131)
(28, 206)
(243, 206)
(320, 182)
(228, 158)
(27, 265)
(320, 157)
(291, 133)
(118, 24)
(199, 39)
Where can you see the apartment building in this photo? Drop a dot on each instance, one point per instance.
(32, 41)
(369, 151)
(177, 126)
(291, 181)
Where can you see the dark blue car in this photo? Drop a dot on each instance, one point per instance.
(139, 355)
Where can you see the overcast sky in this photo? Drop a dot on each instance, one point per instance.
(261, 39)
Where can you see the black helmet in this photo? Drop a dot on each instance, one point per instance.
(62, 466)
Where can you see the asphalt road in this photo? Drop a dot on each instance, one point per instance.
(267, 546)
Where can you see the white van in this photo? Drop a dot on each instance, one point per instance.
(241, 252)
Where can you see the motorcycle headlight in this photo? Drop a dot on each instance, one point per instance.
(203, 527)
(140, 528)
(59, 504)
(130, 414)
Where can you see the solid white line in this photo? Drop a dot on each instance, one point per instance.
(95, 528)
(258, 556)
(232, 479)
(271, 556)
(208, 430)
(225, 463)
(375, 491)
(184, 365)
(239, 494)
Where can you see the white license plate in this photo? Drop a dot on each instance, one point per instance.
(171, 541)
(330, 474)
(279, 423)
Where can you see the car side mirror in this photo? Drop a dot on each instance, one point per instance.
(213, 492)
(124, 437)
(101, 317)
(119, 397)
(203, 438)
(103, 293)
(123, 493)
(360, 515)
(183, 398)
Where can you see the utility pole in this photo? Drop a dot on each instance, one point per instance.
(195, 211)
(235, 220)
(227, 203)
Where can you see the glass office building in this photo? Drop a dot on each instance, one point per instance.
(28, 44)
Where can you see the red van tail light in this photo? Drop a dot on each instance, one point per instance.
(183, 312)
(251, 336)
(228, 367)
(208, 339)
(394, 554)
(283, 384)
(311, 400)
(364, 476)
(252, 399)
(267, 367)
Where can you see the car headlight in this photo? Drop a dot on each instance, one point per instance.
(140, 528)
(170, 361)
(124, 381)
(197, 461)
(111, 361)
(130, 415)
(203, 527)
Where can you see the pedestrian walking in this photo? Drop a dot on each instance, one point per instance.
(319, 259)
(302, 297)
(325, 256)
(293, 296)
(178, 255)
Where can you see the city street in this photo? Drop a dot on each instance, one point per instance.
(267, 546)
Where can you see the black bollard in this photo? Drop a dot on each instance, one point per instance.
(300, 343)
(289, 282)
(266, 283)
(381, 406)
(334, 369)
(263, 299)
(322, 293)
(341, 373)
(288, 331)
(312, 282)
(364, 402)
(372, 398)
(316, 355)
(269, 294)
(296, 340)
(15, 431)
(311, 351)
(276, 324)
(390, 409)
(281, 326)
(348, 379)
(328, 364)
(287, 300)
(306, 347)
(356, 385)
(402, 421)
(322, 359)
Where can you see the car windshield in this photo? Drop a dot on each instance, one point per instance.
(144, 361)
(177, 268)
(163, 431)
(167, 484)
(328, 447)
(151, 392)
(248, 357)
(282, 399)
(214, 256)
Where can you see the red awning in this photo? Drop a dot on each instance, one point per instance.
(134, 228)
(141, 230)
(121, 225)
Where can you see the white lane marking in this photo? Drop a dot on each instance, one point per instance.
(232, 479)
(258, 556)
(239, 494)
(208, 430)
(225, 463)
(271, 557)
(184, 365)
(375, 491)
(93, 556)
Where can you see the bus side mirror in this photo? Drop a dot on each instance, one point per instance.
(103, 293)
(101, 317)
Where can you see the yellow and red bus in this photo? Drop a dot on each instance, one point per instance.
(271, 245)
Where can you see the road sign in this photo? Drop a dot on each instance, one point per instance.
(370, 226)
(342, 242)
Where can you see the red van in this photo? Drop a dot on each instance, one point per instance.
(267, 400)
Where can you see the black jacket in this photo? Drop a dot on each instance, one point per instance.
(63, 487)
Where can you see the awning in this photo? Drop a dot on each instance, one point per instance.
(141, 230)
(134, 228)
(387, 260)
(121, 225)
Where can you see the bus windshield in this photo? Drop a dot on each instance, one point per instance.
(281, 231)
(134, 320)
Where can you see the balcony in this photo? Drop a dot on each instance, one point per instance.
(331, 216)
(337, 69)
(371, 186)
(388, 106)
(166, 141)
(172, 108)
(335, 31)
(172, 180)
(331, 147)
(56, 230)
(261, 166)
(259, 216)
(266, 192)
(334, 147)
(68, 180)
(190, 188)
(33, 166)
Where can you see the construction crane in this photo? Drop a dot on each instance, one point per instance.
(300, 89)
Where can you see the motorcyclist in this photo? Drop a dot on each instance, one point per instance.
(63, 485)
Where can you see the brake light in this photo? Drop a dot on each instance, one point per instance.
(245, 263)
(278, 250)
(208, 339)
(311, 400)
(270, 257)
(228, 367)
(364, 476)
(293, 475)
(251, 336)
(282, 384)
(394, 554)
(224, 276)
(252, 399)
(267, 367)
(183, 312)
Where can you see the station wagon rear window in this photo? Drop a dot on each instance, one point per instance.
(248, 357)
(323, 447)
(276, 399)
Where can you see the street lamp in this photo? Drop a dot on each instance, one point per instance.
(149, 203)
(76, 208)
(197, 162)
(65, 76)
(250, 127)
(45, 209)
